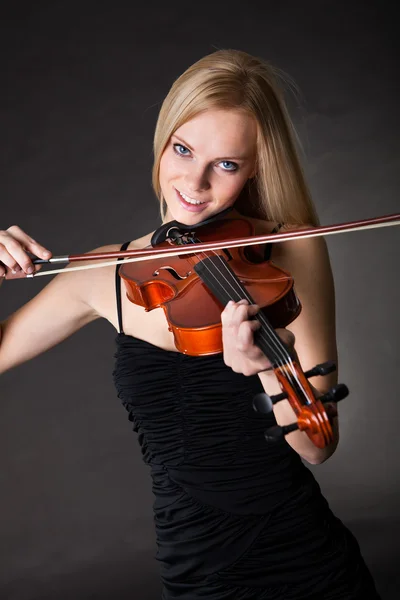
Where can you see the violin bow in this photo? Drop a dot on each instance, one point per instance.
(155, 253)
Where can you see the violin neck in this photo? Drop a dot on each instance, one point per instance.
(223, 283)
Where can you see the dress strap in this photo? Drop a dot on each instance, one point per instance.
(118, 288)
(268, 247)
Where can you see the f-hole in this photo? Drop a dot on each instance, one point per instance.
(172, 271)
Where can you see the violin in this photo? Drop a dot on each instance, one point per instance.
(194, 271)
(193, 290)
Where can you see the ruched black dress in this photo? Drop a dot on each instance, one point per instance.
(236, 518)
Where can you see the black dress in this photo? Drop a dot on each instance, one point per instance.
(236, 518)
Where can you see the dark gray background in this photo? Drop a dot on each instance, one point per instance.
(82, 84)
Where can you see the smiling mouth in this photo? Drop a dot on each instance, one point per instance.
(190, 200)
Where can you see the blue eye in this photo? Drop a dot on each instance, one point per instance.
(181, 150)
(232, 165)
(227, 165)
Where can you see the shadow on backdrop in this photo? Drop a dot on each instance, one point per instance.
(122, 578)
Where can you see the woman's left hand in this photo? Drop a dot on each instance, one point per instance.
(238, 328)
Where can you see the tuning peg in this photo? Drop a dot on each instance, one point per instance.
(278, 432)
(322, 369)
(263, 403)
(337, 393)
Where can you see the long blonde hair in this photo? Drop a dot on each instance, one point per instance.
(232, 79)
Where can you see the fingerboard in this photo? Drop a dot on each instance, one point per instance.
(223, 283)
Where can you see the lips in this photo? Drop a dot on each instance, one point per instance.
(187, 205)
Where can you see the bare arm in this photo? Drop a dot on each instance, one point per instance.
(314, 330)
(59, 310)
(65, 305)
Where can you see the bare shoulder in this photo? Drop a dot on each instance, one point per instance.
(96, 286)
(302, 254)
(260, 226)
(294, 253)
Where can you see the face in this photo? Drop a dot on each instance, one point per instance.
(206, 164)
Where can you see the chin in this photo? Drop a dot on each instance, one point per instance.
(181, 215)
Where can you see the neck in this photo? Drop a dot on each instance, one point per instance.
(210, 219)
(160, 233)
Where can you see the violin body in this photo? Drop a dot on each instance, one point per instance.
(192, 311)
(193, 289)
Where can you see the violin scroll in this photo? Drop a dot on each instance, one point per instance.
(312, 417)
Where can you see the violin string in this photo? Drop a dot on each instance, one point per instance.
(270, 338)
(268, 335)
(287, 367)
(233, 283)
(242, 291)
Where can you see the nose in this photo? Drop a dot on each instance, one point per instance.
(197, 178)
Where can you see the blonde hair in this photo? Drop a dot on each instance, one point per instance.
(232, 79)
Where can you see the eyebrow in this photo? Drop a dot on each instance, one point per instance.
(218, 157)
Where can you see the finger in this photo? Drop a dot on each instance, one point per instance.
(255, 359)
(243, 313)
(17, 244)
(8, 260)
(235, 313)
(19, 258)
(17, 275)
(28, 242)
(245, 338)
(9, 269)
(251, 308)
(227, 315)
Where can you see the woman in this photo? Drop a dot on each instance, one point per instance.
(236, 518)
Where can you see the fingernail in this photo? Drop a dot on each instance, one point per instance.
(47, 253)
(30, 270)
(16, 270)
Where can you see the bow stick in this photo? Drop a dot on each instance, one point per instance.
(154, 253)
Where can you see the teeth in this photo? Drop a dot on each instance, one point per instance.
(190, 200)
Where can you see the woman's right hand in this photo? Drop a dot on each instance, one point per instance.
(15, 261)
